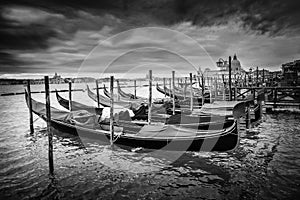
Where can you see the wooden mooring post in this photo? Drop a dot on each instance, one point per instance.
(248, 118)
(185, 86)
(263, 76)
(48, 120)
(235, 93)
(150, 97)
(135, 89)
(118, 86)
(223, 88)
(229, 81)
(164, 79)
(191, 84)
(173, 91)
(257, 81)
(70, 96)
(275, 98)
(111, 120)
(97, 89)
(216, 88)
(30, 107)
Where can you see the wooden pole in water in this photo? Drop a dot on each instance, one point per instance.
(257, 81)
(30, 107)
(111, 121)
(203, 88)
(70, 95)
(185, 87)
(275, 97)
(118, 86)
(150, 97)
(223, 88)
(263, 76)
(135, 89)
(191, 84)
(230, 91)
(48, 120)
(216, 88)
(173, 91)
(235, 93)
(248, 117)
(97, 88)
(164, 79)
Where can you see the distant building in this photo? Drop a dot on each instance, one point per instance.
(235, 65)
(291, 73)
(223, 65)
(56, 79)
(83, 80)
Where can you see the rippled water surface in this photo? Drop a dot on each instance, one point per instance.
(266, 165)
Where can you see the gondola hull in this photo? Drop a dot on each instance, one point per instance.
(179, 96)
(220, 143)
(162, 137)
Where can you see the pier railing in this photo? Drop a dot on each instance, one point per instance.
(273, 96)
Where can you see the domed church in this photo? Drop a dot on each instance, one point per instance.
(236, 65)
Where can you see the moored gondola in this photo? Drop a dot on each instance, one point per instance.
(155, 136)
(77, 106)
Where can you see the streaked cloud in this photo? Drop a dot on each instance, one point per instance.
(41, 37)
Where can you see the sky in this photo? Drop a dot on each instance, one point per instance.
(129, 37)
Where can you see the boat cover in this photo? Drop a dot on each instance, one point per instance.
(233, 108)
(79, 117)
(173, 131)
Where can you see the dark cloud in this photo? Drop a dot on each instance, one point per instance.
(62, 19)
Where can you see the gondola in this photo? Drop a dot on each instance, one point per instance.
(142, 114)
(77, 106)
(235, 109)
(105, 101)
(153, 136)
(184, 101)
(179, 94)
(124, 94)
(159, 115)
(121, 98)
(140, 110)
(129, 96)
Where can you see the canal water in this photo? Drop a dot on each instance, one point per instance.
(266, 164)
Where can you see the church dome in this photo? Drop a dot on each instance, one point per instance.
(235, 64)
